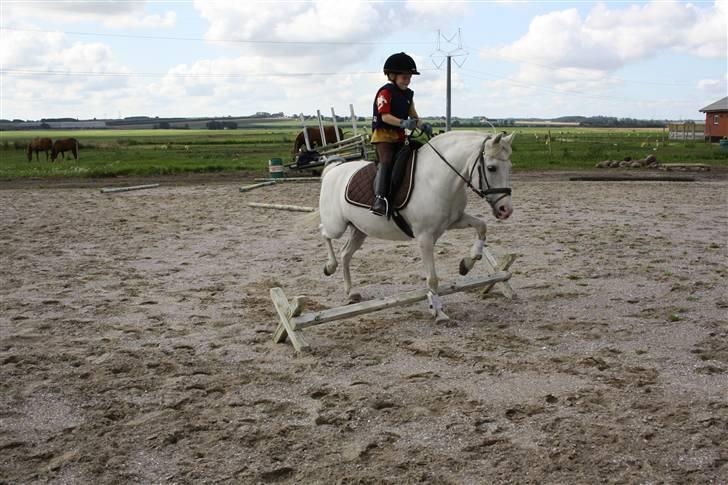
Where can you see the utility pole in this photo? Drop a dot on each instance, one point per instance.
(447, 56)
(448, 105)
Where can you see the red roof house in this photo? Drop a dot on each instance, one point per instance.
(716, 120)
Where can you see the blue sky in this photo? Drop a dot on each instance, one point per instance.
(659, 59)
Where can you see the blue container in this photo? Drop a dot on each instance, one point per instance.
(724, 144)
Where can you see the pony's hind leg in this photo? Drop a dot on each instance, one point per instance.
(353, 243)
(476, 253)
(331, 263)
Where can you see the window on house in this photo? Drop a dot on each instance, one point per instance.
(715, 119)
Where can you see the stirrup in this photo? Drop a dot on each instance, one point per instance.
(386, 206)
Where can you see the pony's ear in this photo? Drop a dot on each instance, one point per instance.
(497, 138)
(510, 138)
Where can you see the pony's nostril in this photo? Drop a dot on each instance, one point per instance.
(502, 208)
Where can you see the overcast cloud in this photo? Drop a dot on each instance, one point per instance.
(602, 58)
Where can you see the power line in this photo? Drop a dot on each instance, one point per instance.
(200, 39)
(191, 75)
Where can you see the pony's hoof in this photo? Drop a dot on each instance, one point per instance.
(441, 317)
(354, 298)
(463, 268)
(328, 272)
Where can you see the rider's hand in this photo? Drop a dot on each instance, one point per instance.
(409, 124)
(427, 129)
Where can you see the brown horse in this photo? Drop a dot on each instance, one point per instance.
(314, 138)
(63, 146)
(39, 145)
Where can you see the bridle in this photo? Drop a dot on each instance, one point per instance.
(482, 175)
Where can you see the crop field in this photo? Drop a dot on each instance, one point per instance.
(107, 153)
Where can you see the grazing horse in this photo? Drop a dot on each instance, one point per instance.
(63, 146)
(314, 137)
(39, 145)
(446, 165)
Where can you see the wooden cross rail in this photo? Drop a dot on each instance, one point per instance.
(292, 321)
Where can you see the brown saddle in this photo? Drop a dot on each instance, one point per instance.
(360, 189)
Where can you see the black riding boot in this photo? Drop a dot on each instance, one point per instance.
(381, 189)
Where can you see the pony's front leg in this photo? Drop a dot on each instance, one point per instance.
(476, 253)
(427, 248)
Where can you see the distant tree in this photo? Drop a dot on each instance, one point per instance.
(214, 125)
(45, 126)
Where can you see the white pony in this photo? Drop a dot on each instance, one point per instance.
(446, 166)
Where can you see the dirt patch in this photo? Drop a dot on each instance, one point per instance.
(135, 342)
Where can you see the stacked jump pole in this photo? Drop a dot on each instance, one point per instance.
(352, 147)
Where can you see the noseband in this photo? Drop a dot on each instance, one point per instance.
(482, 172)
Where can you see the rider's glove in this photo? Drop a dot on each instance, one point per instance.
(409, 124)
(427, 129)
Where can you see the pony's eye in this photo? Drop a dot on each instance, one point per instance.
(491, 168)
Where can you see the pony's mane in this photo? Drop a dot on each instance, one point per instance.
(493, 151)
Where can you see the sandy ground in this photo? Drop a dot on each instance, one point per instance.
(135, 342)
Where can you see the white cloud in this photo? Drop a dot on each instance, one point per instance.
(39, 84)
(349, 26)
(166, 21)
(113, 15)
(708, 84)
(609, 39)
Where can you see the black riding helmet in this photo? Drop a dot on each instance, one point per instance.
(400, 63)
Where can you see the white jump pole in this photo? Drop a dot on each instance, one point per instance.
(321, 128)
(353, 118)
(364, 153)
(288, 179)
(110, 190)
(282, 207)
(292, 321)
(246, 188)
(305, 133)
(336, 125)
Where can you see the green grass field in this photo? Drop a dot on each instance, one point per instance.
(108, 153)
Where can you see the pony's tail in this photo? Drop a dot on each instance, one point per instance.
(78, 152)
(312, 220)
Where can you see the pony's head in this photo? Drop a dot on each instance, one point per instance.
(495, 179)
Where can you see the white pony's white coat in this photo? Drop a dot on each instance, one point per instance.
(437, 203)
